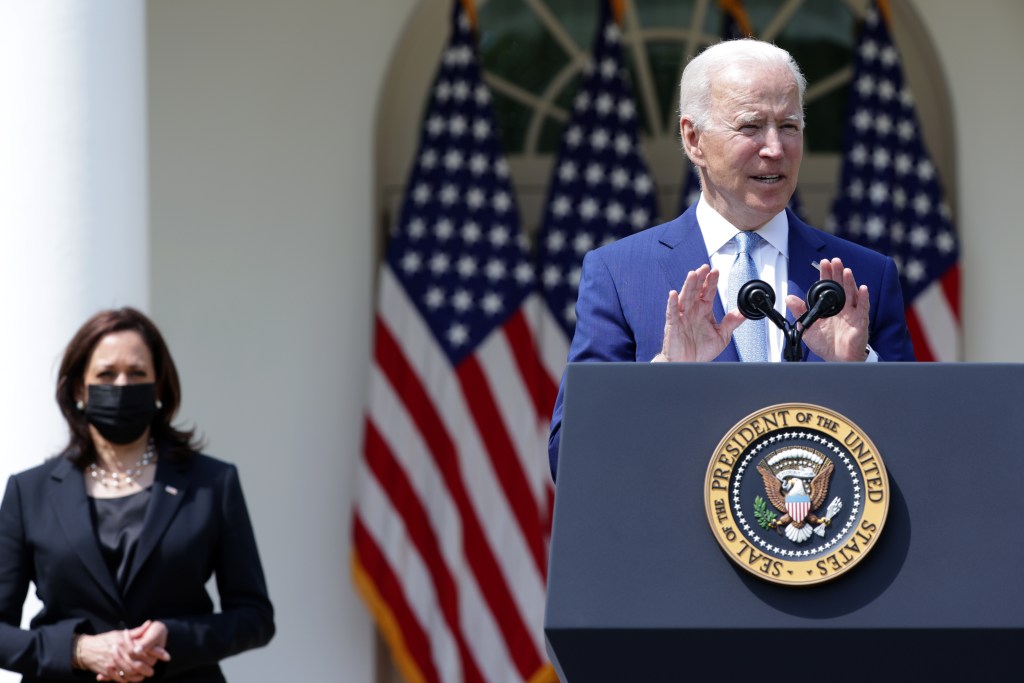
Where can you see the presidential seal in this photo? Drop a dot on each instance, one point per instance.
(796, 494)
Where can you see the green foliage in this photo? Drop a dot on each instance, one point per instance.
(765, 516)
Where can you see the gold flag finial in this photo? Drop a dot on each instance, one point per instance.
(469, 7)
(736, 10)
(618, 11)
(883, 9)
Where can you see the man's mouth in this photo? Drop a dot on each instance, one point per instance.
(768, 178)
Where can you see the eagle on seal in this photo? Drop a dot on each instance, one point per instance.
(788, 493)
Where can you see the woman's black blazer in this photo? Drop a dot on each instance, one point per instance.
(196, 525)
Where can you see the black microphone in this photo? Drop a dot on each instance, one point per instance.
(825, 298)
(756, 299)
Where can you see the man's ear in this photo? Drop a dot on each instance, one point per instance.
(690, 137)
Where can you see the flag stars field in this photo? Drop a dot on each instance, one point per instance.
(601, 189)
(903, 190)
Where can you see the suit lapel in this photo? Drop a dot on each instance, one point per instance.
(685, 251)
(170, 486)
(806, 249)
(71, 507)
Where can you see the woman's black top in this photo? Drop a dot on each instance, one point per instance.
(118, 524)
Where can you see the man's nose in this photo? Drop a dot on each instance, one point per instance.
(772, 146)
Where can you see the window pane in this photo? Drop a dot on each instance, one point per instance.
(821, 38)
(665, 63)
(550, 136)
(513, 121)
(824, 131)
(677, 13)
(514, 45)
(579, 19)
(517, 47)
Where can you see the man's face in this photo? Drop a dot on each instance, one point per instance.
(750, 151)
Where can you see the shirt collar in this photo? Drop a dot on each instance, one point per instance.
(717, 231)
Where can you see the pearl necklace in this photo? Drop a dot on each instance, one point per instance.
(123, 479)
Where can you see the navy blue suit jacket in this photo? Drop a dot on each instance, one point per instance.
(196, 525)
(620, 311)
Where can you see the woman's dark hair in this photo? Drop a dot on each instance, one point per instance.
(170, 442)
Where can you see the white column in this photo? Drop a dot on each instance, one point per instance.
(73, 197)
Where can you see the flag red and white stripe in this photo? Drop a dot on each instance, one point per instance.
(453, 460)
(452, 515)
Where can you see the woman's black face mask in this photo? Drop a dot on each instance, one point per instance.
(121, 412)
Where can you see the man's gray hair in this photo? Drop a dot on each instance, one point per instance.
(695, 86)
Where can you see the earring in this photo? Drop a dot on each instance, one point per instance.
(159, 404)
(80, 405)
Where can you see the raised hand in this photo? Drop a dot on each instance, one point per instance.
(691, 332)
(844, 336)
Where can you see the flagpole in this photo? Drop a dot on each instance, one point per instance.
(469, 7)
(738, 13)
(883, 9)
(618, 11)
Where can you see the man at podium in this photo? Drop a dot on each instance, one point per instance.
(741, 122)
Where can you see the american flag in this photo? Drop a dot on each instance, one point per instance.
(451, 520)
(601, 189)
(890, 198)
(735, 24)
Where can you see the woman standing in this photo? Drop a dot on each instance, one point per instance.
(122, 530)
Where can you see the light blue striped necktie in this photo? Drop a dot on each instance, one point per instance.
(751, 336)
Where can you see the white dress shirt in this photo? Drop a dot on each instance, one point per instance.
(771, 258)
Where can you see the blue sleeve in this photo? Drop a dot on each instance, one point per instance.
(889, 336)
(602, 333)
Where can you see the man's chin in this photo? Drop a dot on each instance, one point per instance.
(767, 208)
(769, 200)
